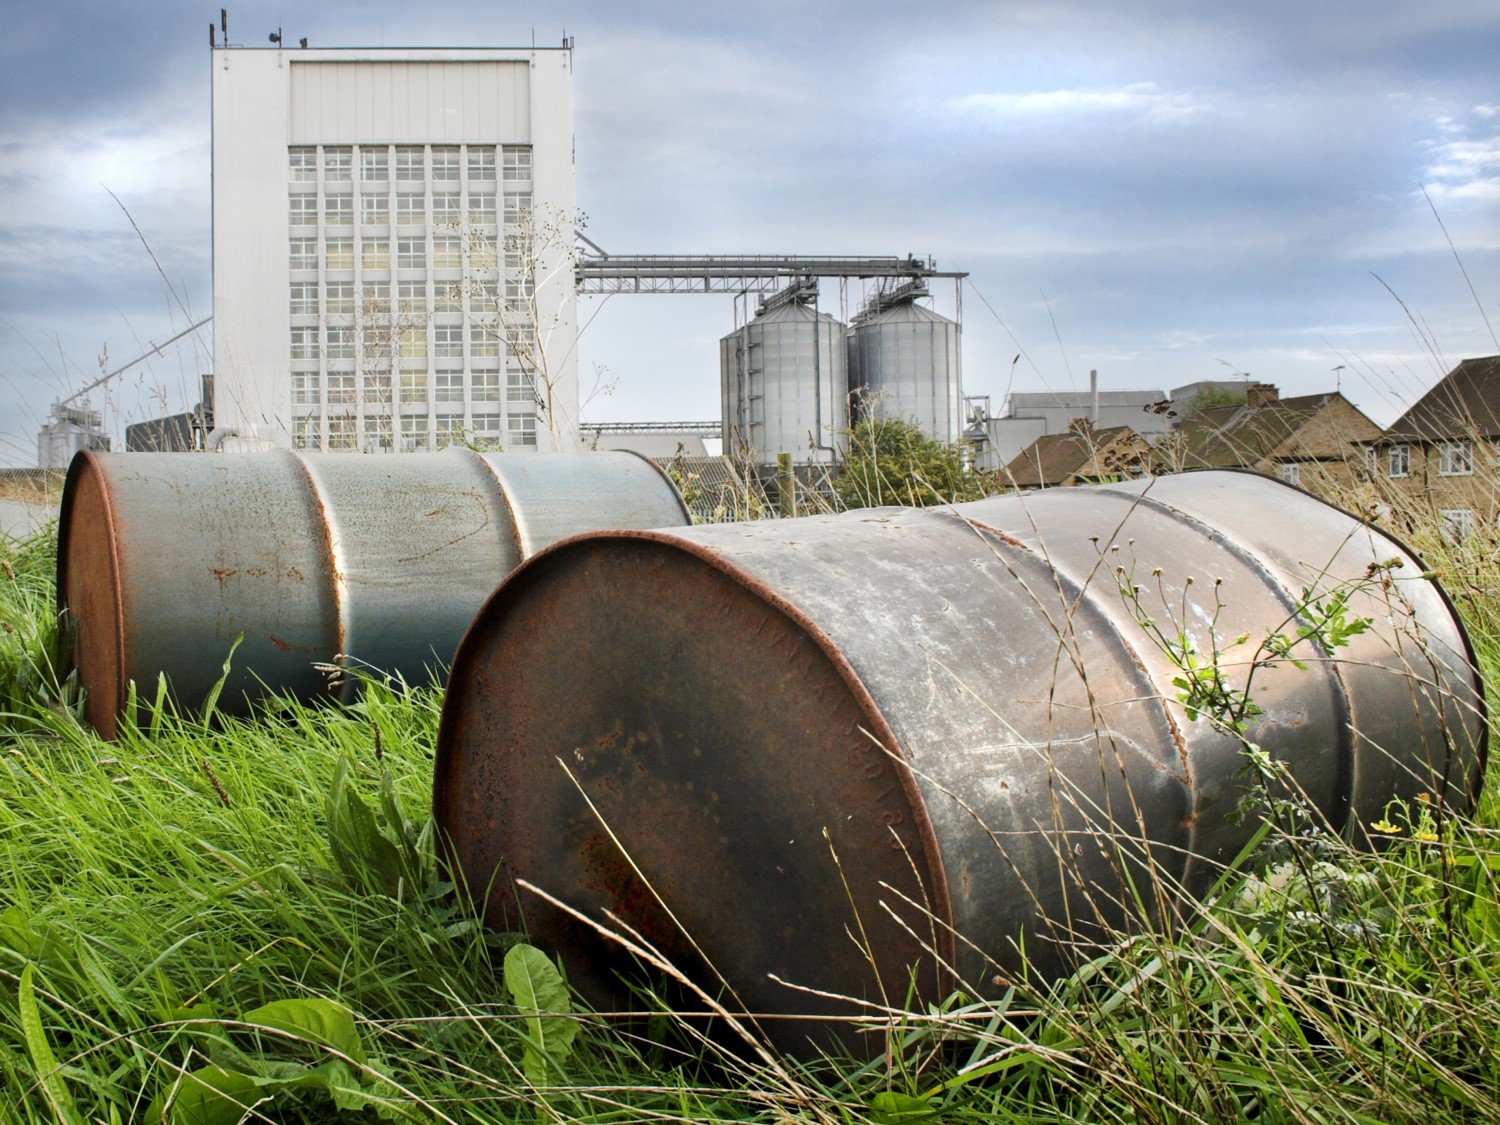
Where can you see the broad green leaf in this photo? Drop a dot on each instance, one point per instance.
(541, 995)
(209, 1096)
(891, 1108)
(42, 1058)
(317, 1020)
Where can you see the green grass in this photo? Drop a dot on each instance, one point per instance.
(258, 903)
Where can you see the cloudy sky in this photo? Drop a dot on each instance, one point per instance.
(1163, 192)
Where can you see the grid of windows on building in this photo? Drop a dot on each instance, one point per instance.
(365, 374)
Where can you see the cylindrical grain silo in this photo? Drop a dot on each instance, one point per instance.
(844, 756)
(785, 386)
(164, 559)
(904, 363)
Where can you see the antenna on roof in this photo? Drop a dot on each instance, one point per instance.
(1338, 379)
(224, 24)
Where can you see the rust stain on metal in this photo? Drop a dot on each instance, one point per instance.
(223, 572)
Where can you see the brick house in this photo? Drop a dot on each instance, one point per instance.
(1082, 455)
(1439, 459)
(1315, 442)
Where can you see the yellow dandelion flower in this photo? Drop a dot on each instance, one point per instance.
(1426, 835)
(1425, 798)
(1385, 826)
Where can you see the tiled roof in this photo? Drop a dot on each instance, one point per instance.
(1227, 436)
(1466, 403)
(1052, 458)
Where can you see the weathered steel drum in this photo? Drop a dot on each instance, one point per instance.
(165, 558)
(899, 746)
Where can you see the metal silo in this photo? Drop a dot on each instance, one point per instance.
(785, 383)
(903, 363)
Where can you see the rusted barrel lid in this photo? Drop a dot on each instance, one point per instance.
(838, 765)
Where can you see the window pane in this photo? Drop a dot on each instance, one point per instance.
(304, 343)
(485, 386)
(375, 299)
(413, 386)
(409, 163)
(516, 163)
(340, 345)
(522, 430)
(483, 341)
(303, 164)
(445, 207)
(411, 253)
(340, 253)
(413, 343)
(517, 207)
(445, 162)
(304, 254)
(304, 390)
(413, 296)
(414, 432)
(304, 210)
(481, 162)
(410, 209)
(482, 207)
(341, 389)
(374, 165)
(305, 433)
(378, 432)
(448, 342)
(449, 387)
(447, 253)
(338, 210)
(304, 298)
(375, 254)
(374, 210)
(337, 163)
(340, 296)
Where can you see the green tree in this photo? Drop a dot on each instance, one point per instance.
(891, 461)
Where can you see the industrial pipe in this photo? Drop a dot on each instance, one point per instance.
(164, 559)
(844, 756)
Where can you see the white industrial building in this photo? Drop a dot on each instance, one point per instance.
(392, 248)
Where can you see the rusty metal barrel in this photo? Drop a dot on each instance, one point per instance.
(930, 749)
(164, 559)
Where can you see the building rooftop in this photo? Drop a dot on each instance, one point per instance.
(1466, 403)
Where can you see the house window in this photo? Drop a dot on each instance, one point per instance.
(304, 254)
(304, 210)
(337, 164)
(375, 254)
(515, 163)
(1455, 524)
(374, 210)
(1398, 461)
(1456, 459)
(414, 432)
(481, 162)
(305, 433)
(409, 163)
(445, 162)
(410, 210)
(1372, 461)
(522, 430)
(304, 298)
(303, 164)
(338, 210)
(374, 166)
(1291, 473)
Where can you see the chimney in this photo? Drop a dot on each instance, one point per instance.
(1261, 394)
